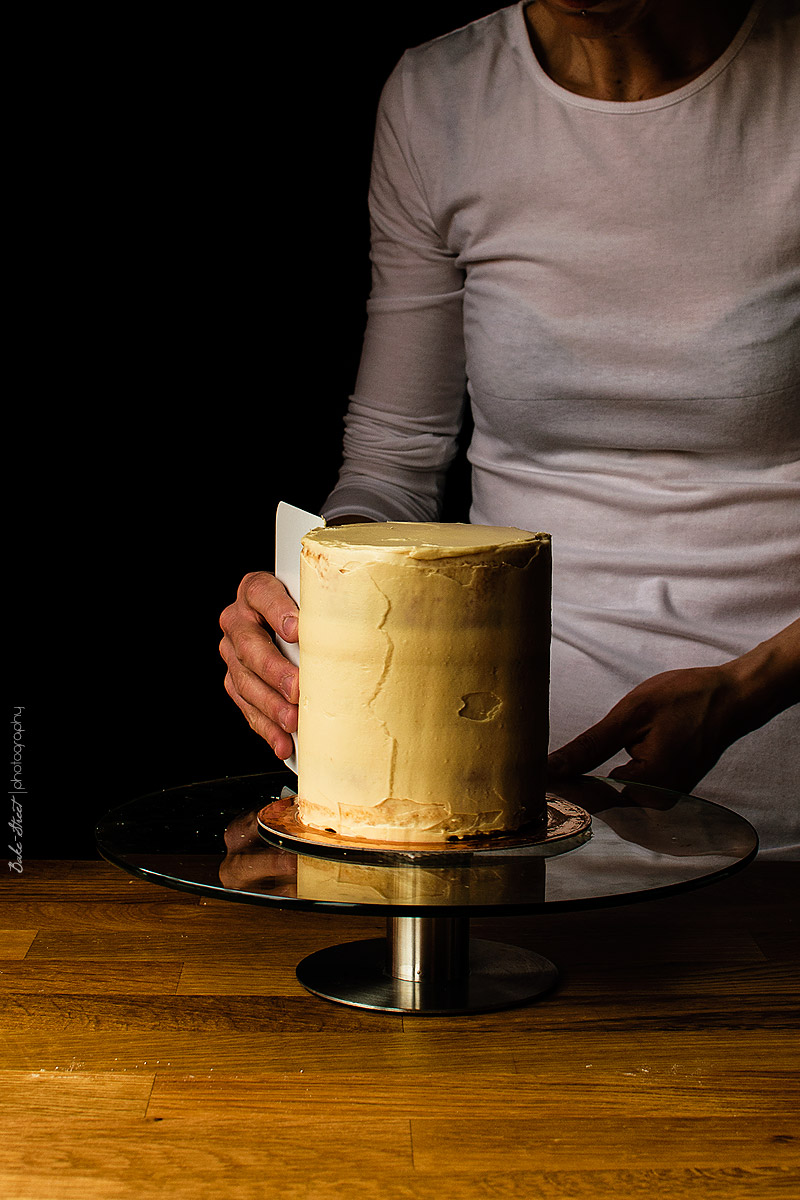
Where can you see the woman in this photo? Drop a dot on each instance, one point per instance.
(588, 214)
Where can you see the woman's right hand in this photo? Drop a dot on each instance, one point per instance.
(260, 680)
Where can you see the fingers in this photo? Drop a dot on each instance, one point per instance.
(592, 747)
(654, 759)
(249, 651)
(261, 682)
(267, 597)
(269, 717)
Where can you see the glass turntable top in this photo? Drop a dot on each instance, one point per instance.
(643, 841)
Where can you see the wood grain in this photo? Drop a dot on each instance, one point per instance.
(15, 943)
(155, 1044)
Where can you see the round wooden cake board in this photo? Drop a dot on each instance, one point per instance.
(568, 826)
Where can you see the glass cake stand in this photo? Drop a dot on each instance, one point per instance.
(641, 842)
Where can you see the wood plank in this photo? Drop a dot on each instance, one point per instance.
(709, 996)
(84, 976)
(70, 1094)
(182, 1183)
(250, 940)
(733, 1183)
(607, 1144)
(551, 1051)
(489, 1097)
(722, 1184)
(158, 913)
(83, 879)
(335, 1052)
(384, 1047)
(706, 997)
(562, 1055)
(255, 978)
(97, 1149)
(65, 1013)
(34, 872)
(164, 946)
(146, 915)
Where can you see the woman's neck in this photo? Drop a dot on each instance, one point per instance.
(634, 50)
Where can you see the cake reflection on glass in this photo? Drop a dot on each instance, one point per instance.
(424, 680)
(480, 883)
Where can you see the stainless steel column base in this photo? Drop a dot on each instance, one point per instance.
(427, 965)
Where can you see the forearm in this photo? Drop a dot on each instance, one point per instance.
(378, 500)
(767, 678)
(403, 421)
(401, 430)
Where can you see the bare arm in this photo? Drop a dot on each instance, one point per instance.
(676, 725)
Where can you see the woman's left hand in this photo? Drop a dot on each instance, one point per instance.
(676, 725)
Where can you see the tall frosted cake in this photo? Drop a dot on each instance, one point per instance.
(424, 680)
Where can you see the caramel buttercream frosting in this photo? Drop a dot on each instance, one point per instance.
(424, 680)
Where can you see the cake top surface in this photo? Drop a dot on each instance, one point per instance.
(422, 540)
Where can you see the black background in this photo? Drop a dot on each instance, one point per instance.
(193, 240)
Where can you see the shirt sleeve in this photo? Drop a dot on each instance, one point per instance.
(405, 413)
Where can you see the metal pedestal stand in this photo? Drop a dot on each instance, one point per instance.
(427, 965)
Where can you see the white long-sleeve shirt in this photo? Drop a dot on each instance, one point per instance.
(617, 286)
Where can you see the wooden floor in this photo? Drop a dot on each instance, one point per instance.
(156, 1045)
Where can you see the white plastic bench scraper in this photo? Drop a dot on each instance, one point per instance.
(291, 526)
